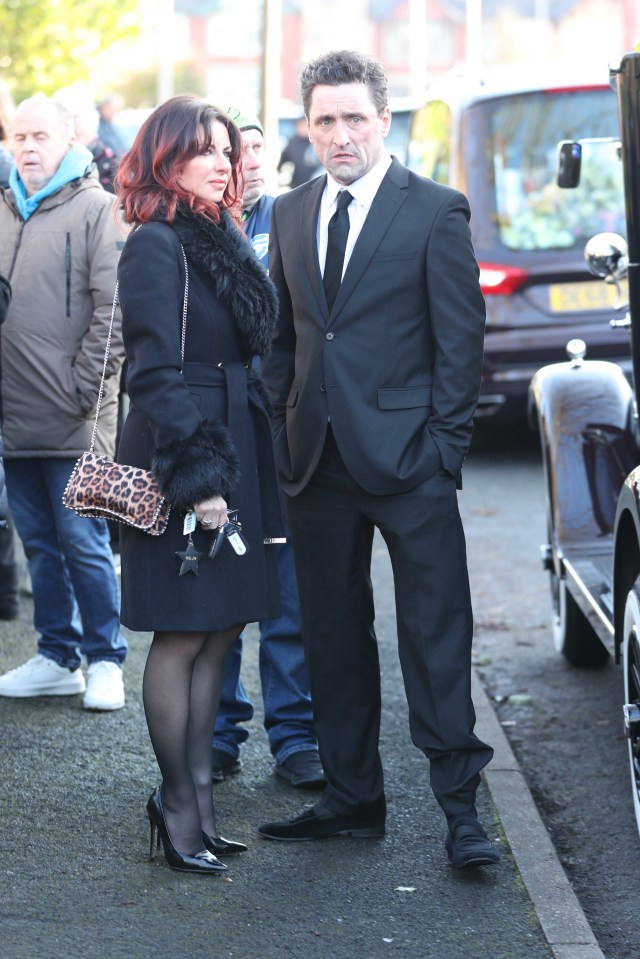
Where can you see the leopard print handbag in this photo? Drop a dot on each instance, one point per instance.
(99, 487)
(127, 494)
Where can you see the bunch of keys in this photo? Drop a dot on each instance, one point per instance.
(232, 532)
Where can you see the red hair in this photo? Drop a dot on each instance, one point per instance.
(176, 131)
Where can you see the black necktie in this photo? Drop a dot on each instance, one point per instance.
(336, 246)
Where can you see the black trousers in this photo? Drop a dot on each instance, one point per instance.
(332, 524)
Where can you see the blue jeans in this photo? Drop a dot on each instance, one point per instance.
(288, 717)
(75, 587)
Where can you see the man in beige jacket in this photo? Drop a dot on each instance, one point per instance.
(59, 248)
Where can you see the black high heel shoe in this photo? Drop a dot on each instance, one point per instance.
(220, 846)
(201, 862)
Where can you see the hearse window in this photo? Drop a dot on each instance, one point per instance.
(531, 211)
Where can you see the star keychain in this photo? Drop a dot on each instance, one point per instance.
(190, 556)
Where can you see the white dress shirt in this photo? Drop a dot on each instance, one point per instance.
(363, 192)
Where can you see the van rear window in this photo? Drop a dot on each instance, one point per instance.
(523, 134)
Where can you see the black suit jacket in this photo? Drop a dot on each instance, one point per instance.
(396, 366)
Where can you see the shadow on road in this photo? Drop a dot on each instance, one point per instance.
(494, 438)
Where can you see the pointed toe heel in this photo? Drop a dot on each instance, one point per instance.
(222, 847)
(201, 862)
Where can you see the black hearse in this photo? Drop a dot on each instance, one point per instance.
(587, 415)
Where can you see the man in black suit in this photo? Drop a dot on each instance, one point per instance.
(375, 374)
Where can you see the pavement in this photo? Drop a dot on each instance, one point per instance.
(75, 878)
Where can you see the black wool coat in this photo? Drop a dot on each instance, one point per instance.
(200, 424)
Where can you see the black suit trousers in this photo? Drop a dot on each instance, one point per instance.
(332, 522)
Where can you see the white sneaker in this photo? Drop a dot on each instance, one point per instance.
(105, 689)
(40, 676)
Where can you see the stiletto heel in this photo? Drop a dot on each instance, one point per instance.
(222, 847)
(154, 840)
(201, 862)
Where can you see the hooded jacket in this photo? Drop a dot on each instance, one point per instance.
(61, 264)
(256, 228)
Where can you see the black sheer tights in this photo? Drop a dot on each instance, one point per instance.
(181, 691)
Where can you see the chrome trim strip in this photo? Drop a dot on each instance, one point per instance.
(587, 595)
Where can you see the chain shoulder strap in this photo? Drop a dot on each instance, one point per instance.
(108, 348)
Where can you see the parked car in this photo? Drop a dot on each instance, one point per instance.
(587, 415)
(494, 136)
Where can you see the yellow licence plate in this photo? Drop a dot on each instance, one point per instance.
(576, 297)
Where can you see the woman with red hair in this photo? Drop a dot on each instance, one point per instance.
(198, 421)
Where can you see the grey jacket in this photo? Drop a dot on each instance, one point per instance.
(5, 300)
(62, 266)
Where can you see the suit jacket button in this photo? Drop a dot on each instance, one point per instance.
(329, 336)
(323, 388)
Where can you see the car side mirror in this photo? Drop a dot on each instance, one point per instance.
(568, 164)
(607, 255)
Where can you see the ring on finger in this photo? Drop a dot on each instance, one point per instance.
(207, 522)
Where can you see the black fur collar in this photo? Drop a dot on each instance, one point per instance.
(242, 284)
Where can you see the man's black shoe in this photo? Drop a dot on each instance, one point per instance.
(223, 764)
(467, 844)
(310, 825)
(303, 770)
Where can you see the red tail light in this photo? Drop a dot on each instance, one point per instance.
(501, 280)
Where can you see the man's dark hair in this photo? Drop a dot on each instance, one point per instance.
(344, 66)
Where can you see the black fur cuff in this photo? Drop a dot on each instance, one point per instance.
(198, 467)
